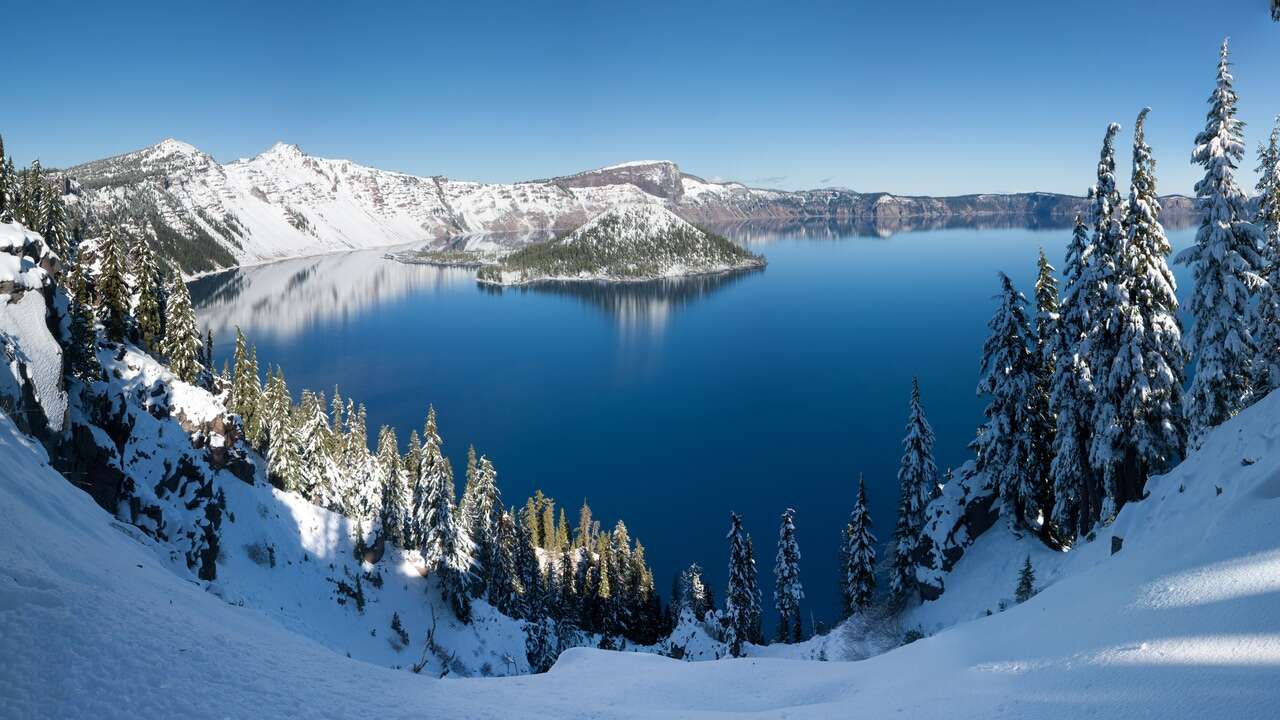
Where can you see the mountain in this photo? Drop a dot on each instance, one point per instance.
(284, 203)
(639, 242)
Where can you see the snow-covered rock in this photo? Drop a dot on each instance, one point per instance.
(31, 374)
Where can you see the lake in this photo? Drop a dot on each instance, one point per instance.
(666, 404)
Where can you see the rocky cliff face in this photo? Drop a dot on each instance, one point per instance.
(284, 203)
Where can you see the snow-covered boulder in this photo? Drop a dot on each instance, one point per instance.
(966, 508)
(31, 384)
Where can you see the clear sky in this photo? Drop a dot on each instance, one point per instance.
(907, 96)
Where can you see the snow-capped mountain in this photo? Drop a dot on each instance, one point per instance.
(638, 242)
(284, 203)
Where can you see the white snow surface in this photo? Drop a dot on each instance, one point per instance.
(1181, 623)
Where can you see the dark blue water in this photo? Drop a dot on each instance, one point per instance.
(666, 405)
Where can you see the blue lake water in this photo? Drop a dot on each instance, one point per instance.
(667, 404)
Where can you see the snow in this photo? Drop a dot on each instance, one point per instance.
(1181, 623)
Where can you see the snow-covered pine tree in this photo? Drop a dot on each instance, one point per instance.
(82, 358)
(583, 537)
(181, 340)
(1225, 266)
(502, 570)
(1075, 507)
(1138, 429)
(1006, 448)
(113, 293)
(756, 611)
(1266, 319)
(319, 479)
(1040, 412)
(858, 557)
(918, 486)
(446, 547)
(395, 487)
(787, 591)
(284, 460)
(480, 515)
(1026, 582)
(150, 308)
(528, 574)
(738, 600)
(56, 234)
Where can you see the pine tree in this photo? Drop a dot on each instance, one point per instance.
(1006, 447)
(858, 557)
(82, 348)
(562, 532)
(1075, 507)
(1026, 582)
(181, 341)
(755, 615)
(918, 480)
(1138, 425)
(738, 600)
(55, 230)
(503, 579)
(787, 592)
(396, 499)
(693, 592)
(446, 547)
(1040, 411)
(6, 180)
(318, 475)
(149, 311)
(528, 574)
(1266, 319)
(284, 461)
(1225, 266)
(548, 526)
(582, 538)
(113, 293)
(480, 516)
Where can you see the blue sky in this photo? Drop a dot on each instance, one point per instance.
(909, 97)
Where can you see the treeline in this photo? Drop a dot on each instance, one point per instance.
(524, 560)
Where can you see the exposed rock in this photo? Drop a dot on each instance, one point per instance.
(966, 508)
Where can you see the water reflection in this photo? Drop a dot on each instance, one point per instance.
(636, 307)
(285, 298)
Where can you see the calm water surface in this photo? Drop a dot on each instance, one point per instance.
(666, 404)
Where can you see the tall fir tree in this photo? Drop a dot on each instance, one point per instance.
(918, 483)
(787, 590)
(113, 292)
(150, 308)
(1006, 447)
(481, 517)
(1138, 427)
(446, 547)
(738, 600)
(1075, 507)
(55, 231)
(1226, 267)
(582, 538)
(1040, 407)
(396, 499)
(858, 557)
(82, 346)
(1266, 320)
(502, 572)
(181, 340)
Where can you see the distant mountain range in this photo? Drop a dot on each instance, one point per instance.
(284, 203)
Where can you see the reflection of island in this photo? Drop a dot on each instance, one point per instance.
(759, 232)
(641, 306)
(286, 297)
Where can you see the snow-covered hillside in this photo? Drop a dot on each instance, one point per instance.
(284, 203)
(1180, 623)
(638, 242)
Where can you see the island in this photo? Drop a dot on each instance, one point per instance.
(625, 244)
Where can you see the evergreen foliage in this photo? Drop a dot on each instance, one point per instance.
(918, 482)
(858, 557)
(113, 292)
(739, 600)
(181, 340)
(1026, 582)
(1266, 321)
(788, 591)
(1226, 268)
(151, 305)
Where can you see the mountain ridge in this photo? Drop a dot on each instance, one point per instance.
(285, 203)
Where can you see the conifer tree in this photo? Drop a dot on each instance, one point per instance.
(395, 487)
(150, 309)
(1225, 266)
(54, 228)
(1026, 582)
(181, 341)
(319, 480)
(737, 599)
(528, 574)
(693, 592)
(1266, 321)
(502, 570)
(113, 293)
(1006, 448)
(446, 548)
(82, 348)
(562, 531)
(755, 614)
(284, 461)
(548, 526)
(5, 182)
(858, 557)
(918, 483)
(582, 538)
(1075, 507)
(787, 592)
(1138, 424)
(1040, 411)
(480, 516)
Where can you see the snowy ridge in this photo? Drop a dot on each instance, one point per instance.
(284, 203)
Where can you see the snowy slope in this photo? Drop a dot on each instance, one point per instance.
(1181, 623)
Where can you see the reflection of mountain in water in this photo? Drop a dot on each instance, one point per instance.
(635, 306)
(759, 232)
(286, 297)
